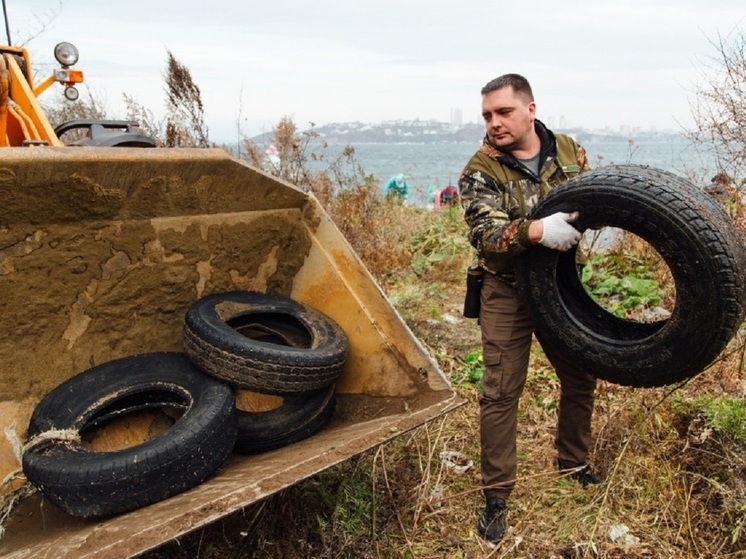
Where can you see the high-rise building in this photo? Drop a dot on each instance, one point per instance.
(456, 117)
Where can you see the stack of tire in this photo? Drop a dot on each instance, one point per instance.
(233, 341)
(273, 346)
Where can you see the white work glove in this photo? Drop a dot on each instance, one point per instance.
(558, 233)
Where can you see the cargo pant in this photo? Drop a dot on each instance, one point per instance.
(507, 330)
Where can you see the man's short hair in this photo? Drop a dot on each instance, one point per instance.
(519, 84)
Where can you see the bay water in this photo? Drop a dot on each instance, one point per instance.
(440, 164)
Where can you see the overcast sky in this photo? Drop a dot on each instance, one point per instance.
(593, 63)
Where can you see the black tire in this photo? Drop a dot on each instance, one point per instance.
(265, 343)
(695, 238)
(86, 483)
(299, 417)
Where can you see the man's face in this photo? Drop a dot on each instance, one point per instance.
(508, 118)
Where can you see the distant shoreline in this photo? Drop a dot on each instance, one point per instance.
(426, 133)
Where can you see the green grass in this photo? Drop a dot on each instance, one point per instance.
(472, 371)
(622, 284)
(723, 415)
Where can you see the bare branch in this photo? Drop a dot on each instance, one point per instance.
(719, 109)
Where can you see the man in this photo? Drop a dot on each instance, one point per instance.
(519, 161)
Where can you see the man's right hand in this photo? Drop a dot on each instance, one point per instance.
(558, 233)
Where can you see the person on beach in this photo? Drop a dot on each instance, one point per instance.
(397, 187)
(449, 196)
(518, 162)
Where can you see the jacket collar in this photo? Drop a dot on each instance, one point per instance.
(548, 148)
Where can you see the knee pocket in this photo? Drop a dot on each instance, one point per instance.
(502, 378)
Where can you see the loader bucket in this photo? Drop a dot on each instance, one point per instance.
(103, 250)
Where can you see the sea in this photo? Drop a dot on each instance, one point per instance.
(440, 164)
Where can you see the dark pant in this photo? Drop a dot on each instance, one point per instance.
(507, 331)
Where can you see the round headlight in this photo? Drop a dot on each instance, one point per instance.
(71, 94)
(66, 54)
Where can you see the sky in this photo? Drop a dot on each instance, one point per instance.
(591, 63)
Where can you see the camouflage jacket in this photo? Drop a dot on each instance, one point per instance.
(498, 192)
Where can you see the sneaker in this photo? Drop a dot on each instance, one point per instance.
(582, 474)
(492, 523)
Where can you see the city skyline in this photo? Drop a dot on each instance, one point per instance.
(560, 123)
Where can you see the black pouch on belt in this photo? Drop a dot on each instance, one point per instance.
(474, 280)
